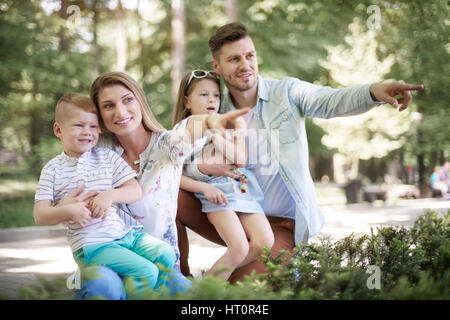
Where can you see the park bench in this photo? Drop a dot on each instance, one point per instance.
(373, 192)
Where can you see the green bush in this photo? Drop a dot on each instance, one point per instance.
(414, 263)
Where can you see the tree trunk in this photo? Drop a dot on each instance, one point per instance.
(178, 45)
(63, 42)
(121, 41)
(95, 38)
(231, 10)
(141, 43)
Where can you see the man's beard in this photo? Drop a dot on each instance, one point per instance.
(240, 86)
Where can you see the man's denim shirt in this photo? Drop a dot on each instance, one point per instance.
(281, 109)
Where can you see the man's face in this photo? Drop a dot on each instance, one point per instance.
(237, 64)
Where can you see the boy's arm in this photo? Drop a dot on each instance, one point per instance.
(127, 192)
(46, 215)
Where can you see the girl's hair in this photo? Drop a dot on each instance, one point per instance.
(186, 87)
(119, 78)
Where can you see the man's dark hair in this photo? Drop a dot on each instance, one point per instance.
(228, 33)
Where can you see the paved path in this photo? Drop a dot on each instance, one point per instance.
(27, 252)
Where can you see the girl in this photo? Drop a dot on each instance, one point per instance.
(231, 204)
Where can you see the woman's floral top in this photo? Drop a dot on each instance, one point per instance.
(160, 171)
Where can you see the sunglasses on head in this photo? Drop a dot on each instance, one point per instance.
(200, 74)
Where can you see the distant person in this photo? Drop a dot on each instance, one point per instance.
(231, 205)
(282, 167)
(436, 183)
(445, 173)
(96, 233)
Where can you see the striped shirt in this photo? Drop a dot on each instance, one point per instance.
(100, 169)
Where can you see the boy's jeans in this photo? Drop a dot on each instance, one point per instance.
(108, 285)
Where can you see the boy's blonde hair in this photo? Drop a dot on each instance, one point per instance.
(71, 100)
(186, 87)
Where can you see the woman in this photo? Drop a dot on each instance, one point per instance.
(157, 155)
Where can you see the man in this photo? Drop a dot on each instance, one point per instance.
(281, 167)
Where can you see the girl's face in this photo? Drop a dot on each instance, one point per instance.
(204, 97)
(119, 109)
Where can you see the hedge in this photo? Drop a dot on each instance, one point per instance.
(388, 263)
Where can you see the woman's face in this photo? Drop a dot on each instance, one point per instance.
(119, 109)
(204, 97)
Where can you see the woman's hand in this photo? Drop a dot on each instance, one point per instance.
(229, 120)
(214, 195)
(76, 196)
(78, 213)
(198, 125)
(100, 205)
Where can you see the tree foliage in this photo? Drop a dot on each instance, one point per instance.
(47, 51)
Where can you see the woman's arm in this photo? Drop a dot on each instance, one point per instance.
(198, 125)
(129, 191)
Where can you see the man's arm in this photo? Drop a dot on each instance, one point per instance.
(325, 102)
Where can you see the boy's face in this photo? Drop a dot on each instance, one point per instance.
(78, 131)
(237, 64)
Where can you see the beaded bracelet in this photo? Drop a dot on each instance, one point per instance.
(243, 179)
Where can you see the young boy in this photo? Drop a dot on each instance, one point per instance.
(96, 234)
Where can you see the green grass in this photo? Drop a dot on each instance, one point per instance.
(16, 197)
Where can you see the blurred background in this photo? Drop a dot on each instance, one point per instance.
(52, 47)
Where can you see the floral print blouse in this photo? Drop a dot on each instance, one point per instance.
(161, 166)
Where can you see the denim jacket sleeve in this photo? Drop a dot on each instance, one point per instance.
(315, 101)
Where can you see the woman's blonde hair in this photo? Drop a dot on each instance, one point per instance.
(186, 87)
(119, 78)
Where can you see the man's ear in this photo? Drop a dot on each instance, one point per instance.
(57, 129)
(215, 65)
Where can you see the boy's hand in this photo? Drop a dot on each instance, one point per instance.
(100, 205)
(215, 195)
(79, 213)
(77, 196)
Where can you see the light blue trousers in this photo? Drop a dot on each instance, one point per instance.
(134, 258)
